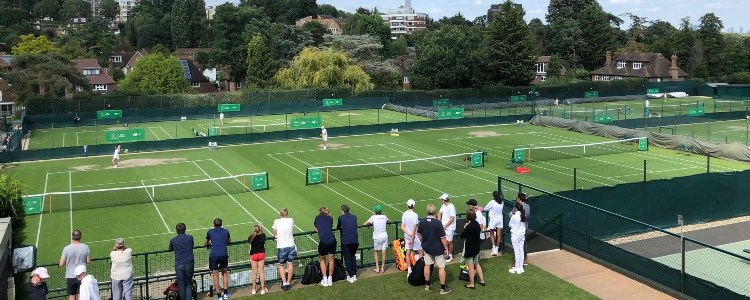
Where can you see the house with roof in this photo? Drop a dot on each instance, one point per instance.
(197, 81)
(332, 25)
(5, 63)
(542, 66)
(97, 76)
(190, 53)
(125, 61)
(651, 66)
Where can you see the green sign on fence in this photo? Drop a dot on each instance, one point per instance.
(32, 205)
(305, 123)
(125, 135)
(591, 94)
(603, 119)
(519, 155)
(696, 111)
(333, 102)
(229, 107)
(441, 102)
(477, 160)
(450, 113)
(653, 91)
(213, 131)
(519, 98)
(643, 144)
(314, 176)
(109, 114)
(260, 181)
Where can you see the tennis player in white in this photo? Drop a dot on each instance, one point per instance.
(324, 135)
(221, 118)
(495, 225)
(116, 157)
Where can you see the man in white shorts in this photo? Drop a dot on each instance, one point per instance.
(221, 118)
(379, 236)
(116, 157)
(447, 216)
(409, 222)
(324, 135)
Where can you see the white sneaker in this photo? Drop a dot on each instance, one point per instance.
(512, 271)
(324, 282)
(349, 278)
(354, 278)
(330, 280)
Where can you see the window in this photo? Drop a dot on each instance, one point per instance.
(90, 72)
(620, 64)
(100, 87)
(117, 58)
(605, 78)
(195, 84)
(596, 77)
(618, 77)
(79, 89)
(544, 78)
(541, 67)
(637, 65)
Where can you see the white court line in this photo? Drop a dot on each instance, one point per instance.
(165, 131)
(70, 199)
(154, 133)
(259, 197)
(228, 194)
(157, 208)
(108, 167)
(328, 163)
(325, 186)
(39, 230)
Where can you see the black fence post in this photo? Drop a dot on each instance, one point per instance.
(575, 179)
(145, 259)
(644, 170)
(560, 232)
(708, 164)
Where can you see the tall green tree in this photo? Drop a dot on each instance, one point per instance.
(43, 74)
(327, 9)
(13, 23)
(538, 36)
(109, 9)
(47, 9)
(567, 9)
(660, 37)
(684, 43)
(365, 51)
(316, 30)
(11, 206)
(150, 24)
(72, 48)
(262, 63)
(314, 68)
(508, 51)
(75, 9)
(155, 73)
(735, 56)
(31, 44)
(449, 58)
(188, 23)
(457, 19)
(372, 24)
(567, 41)
(284, 11)
(233, 26)
(713, 43)
(398, 47)
(636, 34)
(599, 37)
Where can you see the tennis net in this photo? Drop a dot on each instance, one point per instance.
(532, 154)
(119, 196)
(327, 174)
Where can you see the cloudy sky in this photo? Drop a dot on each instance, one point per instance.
(732, 12)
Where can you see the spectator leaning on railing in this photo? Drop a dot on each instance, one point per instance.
(218, 259)
(327, 247)
(257, 253)
(122, 271)
(347, 224)
(73, 255)
(184, 262)
(283, 232)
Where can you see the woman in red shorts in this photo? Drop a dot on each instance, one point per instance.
(257, 242)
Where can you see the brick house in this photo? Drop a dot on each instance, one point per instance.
(197, 81)
(332, 25)
(542, 67)
(97, 76)
(125, 61)
(651, 66)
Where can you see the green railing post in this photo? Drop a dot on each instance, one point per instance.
(145, 260)
(560, 233)
(644, 170)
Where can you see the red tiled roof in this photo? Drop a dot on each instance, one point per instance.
(654, 66)
(82, 64)
(89, 64)
(4, 64)
(544, 59)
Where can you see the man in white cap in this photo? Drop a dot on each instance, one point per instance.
(324, 135)
(447, 216)
(37, 287)
(89, 289)
(409, 222)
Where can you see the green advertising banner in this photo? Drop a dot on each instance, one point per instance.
(696, 111)
(260, 181)
(591, 94)
(314, 176)
(441, 102)
(603, 119)
(109, 114)
(305, 123)
(450, 113)
(32, 205)
(229, 107)
(643, 145)
(519, 155)
(333, 102)
(477, 160)
(519, 98)
(213, 131)
(653, 91)
(125, 135)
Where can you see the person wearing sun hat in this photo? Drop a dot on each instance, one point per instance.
(89, 289)
(379, 235)
(37, 286)
(447, 216)
(409, 222)
(121, 271)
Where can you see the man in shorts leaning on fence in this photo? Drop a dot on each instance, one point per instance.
(283, 232)
(409, 221)
(218, 259)
(379, 236)
(73, 255)
(432, 234)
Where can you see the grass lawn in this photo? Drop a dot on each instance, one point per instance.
(621, 110)
(533, 284)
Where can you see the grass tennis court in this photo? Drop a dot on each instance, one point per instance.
(635, 109)
(146, 220)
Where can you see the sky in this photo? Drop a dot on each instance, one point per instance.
(733, 13)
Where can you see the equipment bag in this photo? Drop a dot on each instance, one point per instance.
(416, 278)
(339, 273)
(312, 273)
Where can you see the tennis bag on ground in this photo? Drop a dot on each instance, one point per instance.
(170, 292)
(463, 274)
(312, 273)
(399, 252)
(416, 278)
(338, 270)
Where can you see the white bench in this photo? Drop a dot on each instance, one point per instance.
(212, 146)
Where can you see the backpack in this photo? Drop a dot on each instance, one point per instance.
(416, 278)
(338, 270)
(312, 273)
(171, 291)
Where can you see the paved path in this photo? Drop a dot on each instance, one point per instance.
(592, 277)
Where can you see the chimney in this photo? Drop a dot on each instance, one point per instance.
(674, 71)
(609, 58)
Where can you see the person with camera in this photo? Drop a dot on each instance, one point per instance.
(122, 271)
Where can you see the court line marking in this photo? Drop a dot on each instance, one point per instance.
(39, 229)
(154, 133)
(108, 167)
(228, 194)
(259, 197)
(156, 207)
(165, 131)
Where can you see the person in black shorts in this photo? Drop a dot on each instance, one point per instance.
(217, 239)
(327, 247)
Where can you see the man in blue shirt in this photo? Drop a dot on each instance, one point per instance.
(349, 241)
(217, 238)
(435, 245)
(182, 245)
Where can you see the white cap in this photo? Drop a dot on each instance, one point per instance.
(411, 202)
(80, 269)
(322, 127)
(444, 197)
(41, 272)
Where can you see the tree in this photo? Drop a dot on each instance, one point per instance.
(13, 23)
(30, 44)
(327, 9)
(566, 9)
(480, 21)
(75, 9)
(233, 27)
(636, 34)
(449, 57)
(47, 9)
(283, 11)
(538, 36)
(73, 49)
(316, 30)
(398, 47)
(684, 43)
(314, 68)
(11, 205)
(566, 40)
(713, 42)
(109, 9)
(369, 24)
(42, 74)
(457, 19)
(508, 51)
(188, 23)
(364, 51)
(599, 37)
(660, 37)
(262, 63)
(734, 56)
(155, 73)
